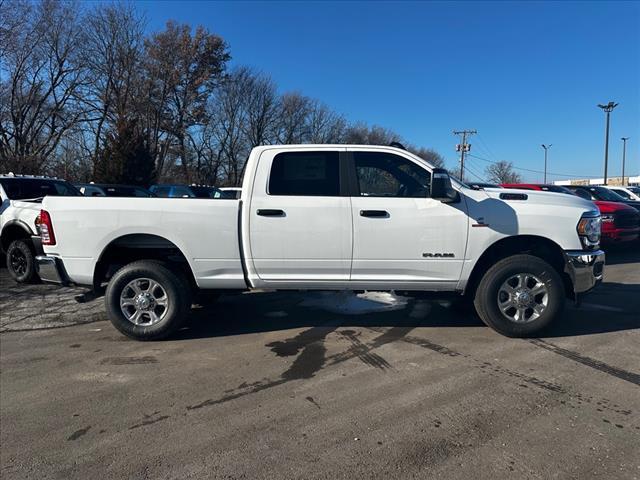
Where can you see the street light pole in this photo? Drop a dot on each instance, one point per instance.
(624, 156)
(546, 147)
(608, 108)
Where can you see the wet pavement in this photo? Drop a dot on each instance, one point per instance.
(320, 385)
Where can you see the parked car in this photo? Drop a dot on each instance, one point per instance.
(231, 192)
(20, 198)
(186, 191)
(628, 193)
(593, 192)
(538, 186)
(620, 223)
(305, 223)
(112, 190)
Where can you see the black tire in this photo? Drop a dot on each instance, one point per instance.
(21, 261)
(487, 295)
(175, 287)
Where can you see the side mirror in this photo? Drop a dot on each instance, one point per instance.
(441, 188)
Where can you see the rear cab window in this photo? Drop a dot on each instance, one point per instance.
(314, 173)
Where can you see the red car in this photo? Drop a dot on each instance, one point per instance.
(620, 222)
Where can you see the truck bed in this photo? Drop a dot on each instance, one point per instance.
(206, 228)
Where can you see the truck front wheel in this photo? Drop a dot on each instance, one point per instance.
(519, 296)
(146, 300)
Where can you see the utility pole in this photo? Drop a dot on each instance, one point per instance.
(546, 147)
(608, 108)
(624, 156)
(463, 148)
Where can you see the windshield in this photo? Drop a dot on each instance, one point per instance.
(206, 192)
(28, 188)
(635, 190)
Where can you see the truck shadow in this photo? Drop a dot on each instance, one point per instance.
(612, 308)
(620, 255)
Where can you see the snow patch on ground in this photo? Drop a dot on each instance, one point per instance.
(349, 303)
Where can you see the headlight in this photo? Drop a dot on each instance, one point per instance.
(589, 230)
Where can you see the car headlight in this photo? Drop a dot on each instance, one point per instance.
(589, 228)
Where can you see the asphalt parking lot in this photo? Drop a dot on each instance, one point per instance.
(320, 385)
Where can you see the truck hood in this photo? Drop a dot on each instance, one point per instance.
(547, 214)
(541, 198)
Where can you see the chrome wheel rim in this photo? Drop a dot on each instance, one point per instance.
(144, 301)
(522, 298)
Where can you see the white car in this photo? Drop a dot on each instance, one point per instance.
(329, 217)
(628, 193)
(20, 198)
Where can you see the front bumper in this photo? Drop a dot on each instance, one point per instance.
(585, 268)
(51, 270)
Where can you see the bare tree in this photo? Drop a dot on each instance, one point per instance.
(324, 125)
(502, 172)
(261, 104)
(229, 114)
(112, 53)
(184, 68)
(83, 91)
(293, 110)
(38, 96)
(361, 134)
(428, 154)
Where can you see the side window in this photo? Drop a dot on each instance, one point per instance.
(305, 173)
(388, 175)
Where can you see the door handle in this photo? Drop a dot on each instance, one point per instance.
(374, 213)
(268, 212)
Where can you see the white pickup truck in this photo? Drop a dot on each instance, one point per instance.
(330, 217)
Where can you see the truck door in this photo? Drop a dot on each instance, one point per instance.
(401, 237)
(300, 217)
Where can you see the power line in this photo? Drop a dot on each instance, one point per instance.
(463, 147)
(535, 171)
(486, 147)
(482, 179)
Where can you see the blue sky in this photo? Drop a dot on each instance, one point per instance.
(521, 73)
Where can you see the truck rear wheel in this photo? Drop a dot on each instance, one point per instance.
(519, 296)
(21, 262)
(146, 300)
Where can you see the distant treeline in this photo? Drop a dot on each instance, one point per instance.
(86, 94)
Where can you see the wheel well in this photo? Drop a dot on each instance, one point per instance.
(13, 232)
(539, 247)
(130, 248)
